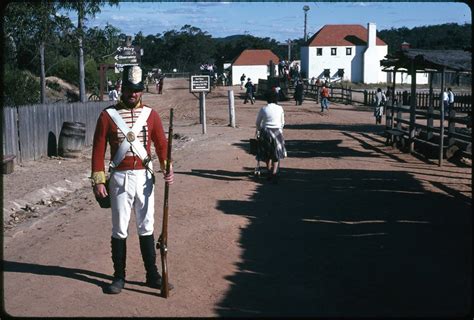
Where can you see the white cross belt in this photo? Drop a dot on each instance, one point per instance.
(131, 135)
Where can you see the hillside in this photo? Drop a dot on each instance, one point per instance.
(59, 90)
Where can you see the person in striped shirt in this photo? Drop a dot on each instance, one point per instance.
(130, 128)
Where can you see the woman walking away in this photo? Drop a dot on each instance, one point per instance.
(271, 145)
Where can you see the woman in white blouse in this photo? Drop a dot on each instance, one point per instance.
(271, 145)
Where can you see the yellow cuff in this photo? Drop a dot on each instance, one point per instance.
(98, 177)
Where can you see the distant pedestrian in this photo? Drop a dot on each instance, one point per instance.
(242, 81)
(146, 82)
(224, 79)
(324, 98)
(161, 82)
(277, 90)
(299, 92)
(249, 91)
(114, 93)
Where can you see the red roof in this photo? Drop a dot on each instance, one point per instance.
(342, 35)
(252, 57)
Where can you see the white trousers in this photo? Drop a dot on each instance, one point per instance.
(132, 189)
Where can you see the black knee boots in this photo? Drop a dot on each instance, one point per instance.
(119, 256)
(147, 248)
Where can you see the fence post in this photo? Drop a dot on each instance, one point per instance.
(452, 147)
(365, 97)
(430, 111)
(231, 108)
(413, 104)
(451, 126)
(399, 115)
(441, 121)
(392, 115)
(346, 95)
(388, 115)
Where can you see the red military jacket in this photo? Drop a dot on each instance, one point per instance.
(107, 132)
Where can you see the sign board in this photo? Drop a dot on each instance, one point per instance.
(127, 56)
(200, 84)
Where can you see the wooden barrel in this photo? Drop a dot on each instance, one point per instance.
(72, 139)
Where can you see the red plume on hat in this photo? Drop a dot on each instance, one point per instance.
(132, 78)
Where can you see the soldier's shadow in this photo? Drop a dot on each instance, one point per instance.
(99, 279)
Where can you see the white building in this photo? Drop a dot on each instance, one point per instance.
(348, 51)
(254, 63)
(403, 77)
(353, 51)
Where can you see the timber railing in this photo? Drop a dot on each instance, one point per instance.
(348, 95)
(31, 132)
(428, 131)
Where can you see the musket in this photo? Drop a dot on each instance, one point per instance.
(163, 239)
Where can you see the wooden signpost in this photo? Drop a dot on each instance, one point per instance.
(201, 84)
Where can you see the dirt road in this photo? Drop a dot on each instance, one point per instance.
(354, 228)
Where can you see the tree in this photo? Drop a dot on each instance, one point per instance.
(28, 25)
(185, 49)
(436, 37)
(101, 43)
(84, 9)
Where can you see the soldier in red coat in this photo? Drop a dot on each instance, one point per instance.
(130, 128)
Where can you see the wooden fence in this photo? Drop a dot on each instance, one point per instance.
(433, 139)
(462, 101)
(347, 95)
(32, 132)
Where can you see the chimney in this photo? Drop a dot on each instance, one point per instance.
(371, 34)
(405, 45)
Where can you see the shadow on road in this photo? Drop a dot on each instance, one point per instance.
(351, 243)
(359, 128)
(72, 273)
(216, 174)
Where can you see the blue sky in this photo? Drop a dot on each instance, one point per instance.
(277, 20)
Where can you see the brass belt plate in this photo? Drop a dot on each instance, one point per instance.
(130, 136)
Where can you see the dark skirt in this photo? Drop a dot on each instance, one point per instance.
(271, 145)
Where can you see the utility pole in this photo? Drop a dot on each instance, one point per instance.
(306, 9)
(289, 48)
(288, 43)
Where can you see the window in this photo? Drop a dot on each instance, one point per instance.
(340, 72)
(333, 51)
(319, 51)
(327, 73)
(348, 51)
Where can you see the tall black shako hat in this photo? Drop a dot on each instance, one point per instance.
(132, 78)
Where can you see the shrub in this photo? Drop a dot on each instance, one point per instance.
(20, 88)
(54, 85)
(67, 70)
